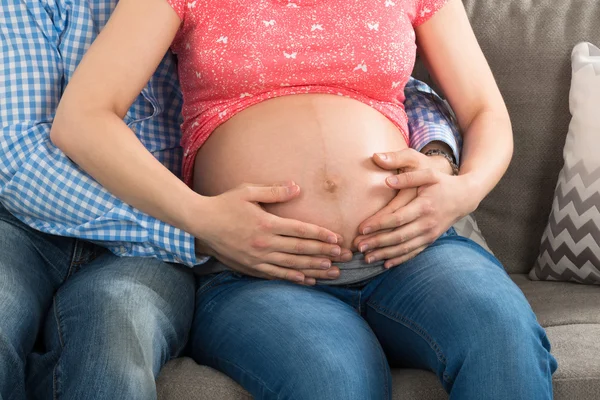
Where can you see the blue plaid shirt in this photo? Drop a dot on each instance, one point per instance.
(41, 43)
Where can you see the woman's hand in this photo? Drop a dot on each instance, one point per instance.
(254, 242)
(429, 202)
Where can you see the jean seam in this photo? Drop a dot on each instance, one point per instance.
(213, 282)
(74, 259)
(55, 370)
(57, 319)
(416, 328)
(221, 359)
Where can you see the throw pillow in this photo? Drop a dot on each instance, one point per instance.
(468, 228)
(570, 248)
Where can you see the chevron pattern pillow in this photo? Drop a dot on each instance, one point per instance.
(468, 228)
(570, 249)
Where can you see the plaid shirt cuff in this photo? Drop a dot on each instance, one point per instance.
(430, 118)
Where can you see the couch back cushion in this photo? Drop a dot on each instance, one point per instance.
(528, 44)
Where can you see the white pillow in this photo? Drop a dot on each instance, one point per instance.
(570, 249)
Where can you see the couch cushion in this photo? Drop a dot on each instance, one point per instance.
(528, 46)
(561, 303)
(569, 311)
(577, 349)
(183, 379)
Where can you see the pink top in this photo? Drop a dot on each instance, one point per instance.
(233, 54)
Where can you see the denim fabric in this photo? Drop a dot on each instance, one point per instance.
(452, 310)
(77, 322)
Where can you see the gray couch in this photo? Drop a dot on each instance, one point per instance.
(528, 45)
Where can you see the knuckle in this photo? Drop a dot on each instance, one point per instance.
(376, 225)
(300, 247)
(427, 207)
(259, 243)
(245, 190)
(301, 230)
(430, 225)
(266, 224)
(287, 262)
(398, 237)
(324, 248)
(275, 193)
(416, 157)
(385, 254)
(397, 220)
(314, 263)
(323, 235)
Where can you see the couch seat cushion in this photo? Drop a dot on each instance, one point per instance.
(560, 303)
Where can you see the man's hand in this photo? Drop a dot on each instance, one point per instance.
(254, 242)
(429, 202)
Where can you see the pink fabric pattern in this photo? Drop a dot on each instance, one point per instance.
(234, 54)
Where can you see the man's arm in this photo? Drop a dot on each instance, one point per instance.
(431, 122)
(38, 183)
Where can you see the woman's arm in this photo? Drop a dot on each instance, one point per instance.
(452, 55)
(448, 46)
(89, 125)
(89, 128)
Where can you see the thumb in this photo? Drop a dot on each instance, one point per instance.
(276, 193)
(402, 159)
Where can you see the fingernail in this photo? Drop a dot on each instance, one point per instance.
(333, 273)
(367, 230)
(392, 180)
(292, 189)
(363, 248)
(370, 260)
(325, 265)
(382, 156)
(299, 278)
(336, 251)
(310, 281)
(332, 239)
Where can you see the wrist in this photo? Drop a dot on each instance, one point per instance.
(473, 191)
(440, 164)
(439, 158)
(194, 208)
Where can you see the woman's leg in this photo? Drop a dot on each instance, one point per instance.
(455, 311)
(285, 341)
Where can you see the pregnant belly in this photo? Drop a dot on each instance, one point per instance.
(322, 142)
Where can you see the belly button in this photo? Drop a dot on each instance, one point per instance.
(330, 186)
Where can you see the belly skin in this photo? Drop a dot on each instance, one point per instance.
(322, 142)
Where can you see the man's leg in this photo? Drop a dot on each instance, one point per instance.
(32, 265)
(114, 324)
(280, 340)
(454, 310)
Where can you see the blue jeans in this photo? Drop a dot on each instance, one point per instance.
(77, 322)
(452, 310)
